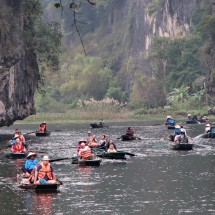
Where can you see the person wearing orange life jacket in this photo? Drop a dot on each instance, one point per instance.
(18, 147)
(85, 152)
(44, 173)
(79, 144)
(93, 142)
(42, 127)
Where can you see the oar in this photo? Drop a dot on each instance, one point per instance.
(197, 121)
(59, 159)
(30, 132)
(37, 151)
(127, 153)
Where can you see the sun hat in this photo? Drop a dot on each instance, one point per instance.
(89, 132)
(177, 126)
(189, 114)
(31, 154)
(44, 123)
(208, 125)
(46, 158)
(83, 144)
(82, 141)
(169, 116)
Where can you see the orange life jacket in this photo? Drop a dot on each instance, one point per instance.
(18, 148)
(45, 170)
(86, 154)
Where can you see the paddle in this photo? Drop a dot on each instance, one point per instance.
(128, 153)
(37, 151)
(197, 121)
(59, 159)
(30, 132)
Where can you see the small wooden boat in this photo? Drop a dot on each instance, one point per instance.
(127, 137)
(17, 155)
(182, 146)
(94, 162)
(192, 122)
(42, 134)
(98, 125)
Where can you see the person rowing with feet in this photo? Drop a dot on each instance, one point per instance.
(110, 142)
(44, 173)
(93, 143)
(181, 138)
(130, 132)
(42, 128)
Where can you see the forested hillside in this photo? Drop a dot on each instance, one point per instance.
(145, 53)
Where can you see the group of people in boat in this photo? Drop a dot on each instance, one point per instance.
(38, 172)
(84, 149)
(197, 118)
(43, 127)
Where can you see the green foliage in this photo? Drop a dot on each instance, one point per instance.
(117, 93)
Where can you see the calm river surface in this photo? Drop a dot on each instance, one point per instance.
(157, 181)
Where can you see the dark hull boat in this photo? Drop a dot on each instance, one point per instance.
(37, 187)
(127, 137)
(182, 146)
(114, 155)
(94, 162)
(192, 122)
(98, 125)
(41, 134)
(12, 155)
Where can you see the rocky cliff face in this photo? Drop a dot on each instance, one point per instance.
(139, 21)
(19, 71)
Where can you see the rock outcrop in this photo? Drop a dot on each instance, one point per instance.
(19, 72)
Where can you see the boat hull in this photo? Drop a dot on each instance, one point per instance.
(12, 155)
(191, 122)
(127, 138)
(182, 146)
(96, 125)
(39, 187)
(95, 162)
(40, 134)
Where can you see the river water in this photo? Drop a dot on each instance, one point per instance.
(157, 181)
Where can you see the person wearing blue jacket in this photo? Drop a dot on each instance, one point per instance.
(30, 163)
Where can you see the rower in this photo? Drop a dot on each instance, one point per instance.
(208, 128)
(170, 121)
(177, 130)
(18, 147)
(181, 138)
(93, 142)
(42, 128)
(44, 172)
(183, 130)
(130, 132)
(30, 163)
(110, 142)
(89, 137)
(102, 142)
(85, 152)
(21, 137)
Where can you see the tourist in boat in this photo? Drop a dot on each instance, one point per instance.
(93, 142)
(130, 132)
(18, 147)
(170, 121)
(42, 128)
(102, 142)
(21, 137)
(183, 130)
(30, 163)
(177, 130)
(89, 137)
(44, 173)
(111, 149)
(110, 142)
(85, 152)
(79, 144)
(13, 141)
(207, 128)
(16, 133)
(181, 138)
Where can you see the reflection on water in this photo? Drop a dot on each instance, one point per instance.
(157, 181)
